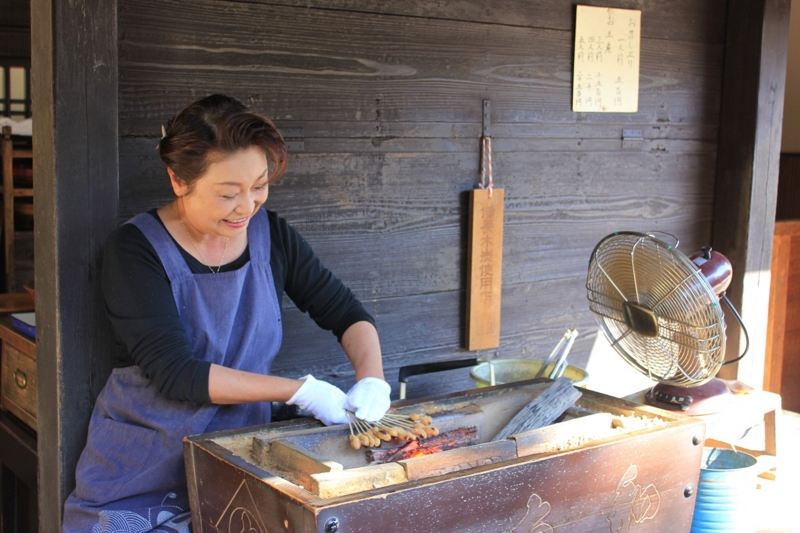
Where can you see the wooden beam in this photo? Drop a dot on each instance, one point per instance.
(74, 72)
(747, 167)
(296, 464)
(542, 410)
(343, 482)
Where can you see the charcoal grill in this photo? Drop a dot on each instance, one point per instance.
(609, 465)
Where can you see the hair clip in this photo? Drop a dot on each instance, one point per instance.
(163, 134)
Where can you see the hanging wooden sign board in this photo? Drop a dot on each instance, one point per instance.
(484, 268)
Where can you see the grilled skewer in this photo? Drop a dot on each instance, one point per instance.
(391, 426)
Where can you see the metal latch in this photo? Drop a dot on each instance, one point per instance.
(487, 118)
(294, 139)
(632, 138)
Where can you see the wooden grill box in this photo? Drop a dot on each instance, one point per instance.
(609, 466)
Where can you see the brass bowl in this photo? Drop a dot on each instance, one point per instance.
(510, 370)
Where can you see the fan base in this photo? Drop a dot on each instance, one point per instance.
(711, 397)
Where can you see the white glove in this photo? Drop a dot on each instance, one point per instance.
(325, 401)
(369, 399)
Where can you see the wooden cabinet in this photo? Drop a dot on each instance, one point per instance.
(18, 453)
(18, 374)
(18, 482)
(17, 203)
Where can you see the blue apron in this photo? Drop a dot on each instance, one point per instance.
(131, 476)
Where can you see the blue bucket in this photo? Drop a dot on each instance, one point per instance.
(725, 492)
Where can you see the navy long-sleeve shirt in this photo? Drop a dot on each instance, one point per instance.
(149, 331)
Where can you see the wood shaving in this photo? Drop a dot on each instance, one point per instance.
(620, 424)
(570, 443)
(633, 423)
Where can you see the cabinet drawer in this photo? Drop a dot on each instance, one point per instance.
(19, 384)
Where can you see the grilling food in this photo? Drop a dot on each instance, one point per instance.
(391, 426)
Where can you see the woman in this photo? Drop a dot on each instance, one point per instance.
(193, 293)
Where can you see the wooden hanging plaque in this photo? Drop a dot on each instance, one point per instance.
(484, 269)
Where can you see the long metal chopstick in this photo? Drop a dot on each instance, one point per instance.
(559, 362)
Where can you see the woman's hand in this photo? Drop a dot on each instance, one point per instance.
(323, 400)
(369, 399)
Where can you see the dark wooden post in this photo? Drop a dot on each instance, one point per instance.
(747, 167)
(74, 89)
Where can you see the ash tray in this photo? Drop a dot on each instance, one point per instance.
(25, 322)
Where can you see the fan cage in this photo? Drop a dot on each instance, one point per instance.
(633, 267)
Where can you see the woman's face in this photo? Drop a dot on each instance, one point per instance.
(223, 199)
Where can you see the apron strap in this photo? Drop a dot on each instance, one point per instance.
(166, 248)
(258, 238)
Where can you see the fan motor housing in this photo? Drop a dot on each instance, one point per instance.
(716, 268)
(640, 319)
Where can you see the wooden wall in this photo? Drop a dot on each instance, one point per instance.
(389, 99)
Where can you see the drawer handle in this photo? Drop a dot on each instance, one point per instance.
(20, 378)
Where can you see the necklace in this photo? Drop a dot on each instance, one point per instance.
(203, 259)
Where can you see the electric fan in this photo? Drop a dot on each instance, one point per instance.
(660, 310)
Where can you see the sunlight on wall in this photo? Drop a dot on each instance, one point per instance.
(610, 374)
(755, 315)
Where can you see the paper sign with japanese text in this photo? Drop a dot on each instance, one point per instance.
(606, 67)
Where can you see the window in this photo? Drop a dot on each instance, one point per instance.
(15, 91)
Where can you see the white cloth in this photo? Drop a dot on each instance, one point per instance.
(23, 127)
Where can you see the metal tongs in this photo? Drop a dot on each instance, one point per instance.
(560, 360)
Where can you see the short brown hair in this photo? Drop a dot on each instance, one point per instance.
(214, 127)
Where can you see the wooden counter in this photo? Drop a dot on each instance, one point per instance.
(748, 409)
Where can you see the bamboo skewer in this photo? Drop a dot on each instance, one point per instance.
(391, 426)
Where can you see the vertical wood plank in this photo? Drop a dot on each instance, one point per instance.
(747, 168)
(790, 368)
(484, 268)
(74, 74)
(8, 208)
(778, 299)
